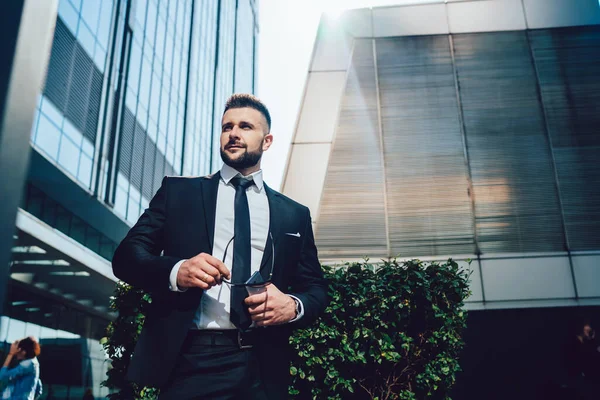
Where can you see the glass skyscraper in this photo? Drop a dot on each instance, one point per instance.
(134, 91)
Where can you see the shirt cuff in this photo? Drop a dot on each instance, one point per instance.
(173, 278)
(300, 308)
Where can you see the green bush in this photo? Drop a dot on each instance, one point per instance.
(391, 331)
(119, 342)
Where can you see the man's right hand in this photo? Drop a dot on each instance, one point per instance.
(203, 271)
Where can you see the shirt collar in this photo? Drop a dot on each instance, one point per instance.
(228, 173)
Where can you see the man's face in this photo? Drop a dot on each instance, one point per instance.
(244, 137)
(587, 331)
(21, 355)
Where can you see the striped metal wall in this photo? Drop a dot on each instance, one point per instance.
(475, 143)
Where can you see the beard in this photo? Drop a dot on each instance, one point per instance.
(245, 160)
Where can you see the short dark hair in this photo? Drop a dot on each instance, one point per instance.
(243, 100)
(30, 346)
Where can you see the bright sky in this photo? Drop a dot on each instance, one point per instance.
(287, 34)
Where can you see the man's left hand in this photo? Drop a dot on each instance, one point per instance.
(14, 348)
(271, 307)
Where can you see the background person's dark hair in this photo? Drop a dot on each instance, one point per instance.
(31, 347)
(243, 100)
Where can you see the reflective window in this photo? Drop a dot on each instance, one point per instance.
(86, 39)
(48, 137)
(68, 156)
(151, 136)
(121, 202)
(69, 110)
(51, 112)
(89, 12)
(151, 24)
(99, 57)
(140, 12)
(69, 15)
(85, 169)
(135, 62)
(87, 147)
(104, 23)
(72, 132)
(244, 48)
(75, 3)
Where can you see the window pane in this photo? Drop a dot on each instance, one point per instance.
(140, 12)
(52, 112)
(155, 97)
(133, 210)
(151, 23)
(89, 13)
(76, 4)
(145, 81)
(85, 170)
(48, 137)
(72, 132)
(104, 24)
(121, 202)
(86, 39)
(99, 57)
(69, 16)
(134, 66)
(88, 147)
(69, 155)
(160, 38)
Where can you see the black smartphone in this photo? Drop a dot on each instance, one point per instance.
(256, 284)
(255, 279)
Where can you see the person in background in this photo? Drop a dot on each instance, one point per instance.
(23, 381)
(586, 353)
(88, 395)
(583, 363)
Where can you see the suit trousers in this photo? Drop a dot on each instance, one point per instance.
(217, 371)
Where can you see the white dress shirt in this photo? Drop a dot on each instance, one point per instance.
(213, 312)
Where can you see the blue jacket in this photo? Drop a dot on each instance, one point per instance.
(21, 382)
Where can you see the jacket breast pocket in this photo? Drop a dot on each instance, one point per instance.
(293, 239)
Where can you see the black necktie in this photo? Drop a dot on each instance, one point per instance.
(241, 254)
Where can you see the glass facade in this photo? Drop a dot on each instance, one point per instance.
(151, 130)
(66, 123)
(42, 206)
(134, 91)
(197, 150)
(245, 46)
(225, 69)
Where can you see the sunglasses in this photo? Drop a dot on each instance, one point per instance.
(256, 280)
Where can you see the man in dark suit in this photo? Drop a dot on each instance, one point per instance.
(198, 248)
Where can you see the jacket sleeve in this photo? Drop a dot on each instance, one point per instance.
(9, 375)
(308, 283)
(39, 390)
(138, 260)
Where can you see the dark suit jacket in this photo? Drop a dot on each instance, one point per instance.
(180, 224)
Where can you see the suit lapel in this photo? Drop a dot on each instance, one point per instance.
(210, 188)
(275, 211)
